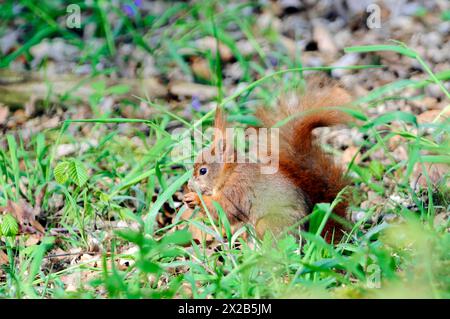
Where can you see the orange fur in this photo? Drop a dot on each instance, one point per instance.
(301, 160)
(306, 174)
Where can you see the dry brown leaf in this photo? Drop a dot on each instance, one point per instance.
(348, 155)
(201, 91)
(26, 215)
(33, 239)
(71, 281)
(210, 43)
(441, 219)
(397, 147)
(426, 103)
(143, 111)
(78, 279)
(324, 40)
(125, 263)
(400, 153)
(4, 112)
(435, 171)
(201, 68)
(3, 258)
(88, 259)
(20, 117)
(94, 244)
(396, 141)
(58, 255)
(429, 116)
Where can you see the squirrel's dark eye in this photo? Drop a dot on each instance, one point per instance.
(203, 170)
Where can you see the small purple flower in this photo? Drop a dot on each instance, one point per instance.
(129, 10)
(273, 61)
(196, 105)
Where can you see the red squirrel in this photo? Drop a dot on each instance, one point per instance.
(306, 175)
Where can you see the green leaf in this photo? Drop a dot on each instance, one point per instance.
(118, 89)
(377, 169)
(131, 236)
(317, 216)
(73, 169)
(61, 172)
(245, 119)
(172, 252)
(390, 117)
(99, 86)
(445, 15)
(162, 198)
(420, 12)
(14, 161)
(385, 89)
(148, 267)
(372, 48)
(355, 113)
(38, 256)
(180, 237)
(223, 219)
(78, 173)
(435, 159)
(9, 226)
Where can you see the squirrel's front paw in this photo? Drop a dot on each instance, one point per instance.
(191, 199)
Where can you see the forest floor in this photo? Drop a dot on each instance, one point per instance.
(91, 198)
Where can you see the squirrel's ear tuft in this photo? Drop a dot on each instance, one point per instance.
(219, 120)
(219, 129)
(223, 150)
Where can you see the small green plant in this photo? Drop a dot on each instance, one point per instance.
(8, 226)
(71, 170)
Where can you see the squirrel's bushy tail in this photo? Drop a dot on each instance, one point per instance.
(305, 163)
(298, 113)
